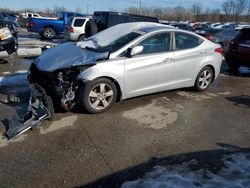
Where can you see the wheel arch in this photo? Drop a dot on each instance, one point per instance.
(119, 90)
(82, 34)
(49, 26)
(213, 69)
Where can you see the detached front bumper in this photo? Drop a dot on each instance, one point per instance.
(8, 45)
(40, 108)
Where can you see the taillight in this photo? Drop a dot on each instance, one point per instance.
(71, 29)
(32, 24)
(219, 50)
(210, 37)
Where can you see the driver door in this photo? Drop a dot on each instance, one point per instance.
(151, 70)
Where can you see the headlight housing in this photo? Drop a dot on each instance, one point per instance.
(5, 33)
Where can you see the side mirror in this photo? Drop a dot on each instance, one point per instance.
(136, 50)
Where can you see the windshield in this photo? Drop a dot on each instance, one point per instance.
(115, 37)
(116, 44)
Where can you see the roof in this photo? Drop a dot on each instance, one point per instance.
(149, 29)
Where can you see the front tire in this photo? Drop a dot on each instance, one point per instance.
(98, 95)
(204, 79)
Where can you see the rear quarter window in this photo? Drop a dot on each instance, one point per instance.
(79, 22)
(186, 41)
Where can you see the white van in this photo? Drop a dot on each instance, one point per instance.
(74, 29)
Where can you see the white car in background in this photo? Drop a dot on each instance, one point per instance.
(74, 30)
(31, 15)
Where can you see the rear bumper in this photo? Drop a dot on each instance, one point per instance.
(71, 36)
(8, 45)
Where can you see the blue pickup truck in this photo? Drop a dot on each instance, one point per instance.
(49, 28)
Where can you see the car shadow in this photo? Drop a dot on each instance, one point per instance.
(241, 101)
(212, 160)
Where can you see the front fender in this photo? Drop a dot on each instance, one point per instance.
(113, 70)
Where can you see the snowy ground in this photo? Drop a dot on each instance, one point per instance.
(235, 174)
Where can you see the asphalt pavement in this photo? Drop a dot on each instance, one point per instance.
(104, 150)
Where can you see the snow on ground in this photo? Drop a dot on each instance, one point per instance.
(235, 174)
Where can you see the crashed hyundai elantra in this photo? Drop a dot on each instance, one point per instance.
(122, 62)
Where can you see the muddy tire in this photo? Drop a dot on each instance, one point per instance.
(90, 28)
(204, 79)
(49, 33)
(98, 95)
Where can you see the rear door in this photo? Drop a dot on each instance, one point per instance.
(187, 56)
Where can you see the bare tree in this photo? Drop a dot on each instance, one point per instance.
(79, 10)
(197, 10)
(57, 9)
(228, 7)
(248, 11)
(239, 8)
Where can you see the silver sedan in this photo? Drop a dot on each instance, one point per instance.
(125, 61)
(148, 60)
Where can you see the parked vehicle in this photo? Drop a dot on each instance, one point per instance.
(8, 17)
(200, 26)
(182, 26)
(75, 29)
(224, 37)
(238, 53)
(31, 15)
(106, 19)
(50, 28)
(7, 41)
(12, 27)
(209, 33)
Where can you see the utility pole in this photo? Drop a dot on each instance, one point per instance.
(87, 8)
(140, 7)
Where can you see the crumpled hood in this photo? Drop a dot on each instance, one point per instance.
(65, 56)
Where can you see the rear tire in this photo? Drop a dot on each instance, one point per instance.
(49, 33)
(204, 79)
(98, 95)
(81, 38)
(90, 28)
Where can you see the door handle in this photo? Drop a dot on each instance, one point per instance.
(203, 52)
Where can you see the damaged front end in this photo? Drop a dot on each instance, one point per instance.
(53, 79)
(40, 108)
(47, 89)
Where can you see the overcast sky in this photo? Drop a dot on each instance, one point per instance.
(105, 4)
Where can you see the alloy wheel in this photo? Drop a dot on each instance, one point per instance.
(205, 79)
(101, 96)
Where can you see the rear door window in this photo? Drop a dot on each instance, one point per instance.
(79, 22)
(186, 41)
